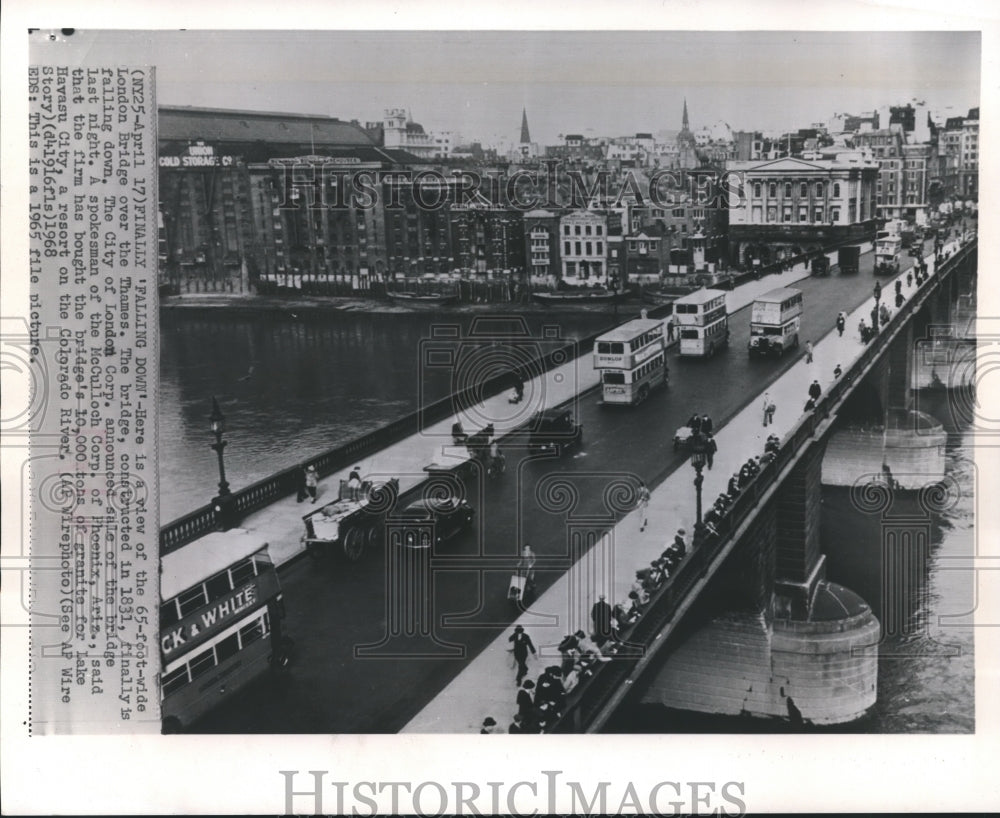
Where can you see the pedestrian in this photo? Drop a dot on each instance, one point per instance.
(733, 489)
(522, 644)
(600, 616)
(899, 300)
(841, 323)
(670, 329)
(706, 425)
(711, 447)
(679, 544)
(884, 315)
(837, 371)
(810, 405)
(909, 278)
(312, 481)
(642, 503)
(878, 290)
(525, 700)
(518, 387)
(490, 726)
(809, 352)
(815, 390)
(301, 489)
(694, 424)
(515, 726)
(768, 413)
(526, 567)
(354, 482)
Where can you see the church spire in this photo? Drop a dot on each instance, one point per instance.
(525, 136)
(684, 121)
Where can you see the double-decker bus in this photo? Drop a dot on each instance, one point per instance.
(774, 322)
(632, 360)
(702, 323)
(220, 623)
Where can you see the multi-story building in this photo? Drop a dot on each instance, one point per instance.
(487, 240)
(542, 245)
(584, 248)
(969, 166)
(219, 194)
(792, 205)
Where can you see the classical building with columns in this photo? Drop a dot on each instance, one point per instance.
(786, 206)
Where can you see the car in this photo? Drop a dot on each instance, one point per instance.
(439, 517)
(553, 430)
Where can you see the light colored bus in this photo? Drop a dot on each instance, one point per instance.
(774, 322)
(220, 623)
(887, 250)
(702, 323)
(632, 360)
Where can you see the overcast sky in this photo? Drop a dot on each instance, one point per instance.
(596, 83)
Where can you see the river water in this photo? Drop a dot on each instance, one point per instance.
(291, 388)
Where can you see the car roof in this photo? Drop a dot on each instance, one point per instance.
(429, 504)
(553, 414)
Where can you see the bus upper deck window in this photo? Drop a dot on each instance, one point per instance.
(242, 572)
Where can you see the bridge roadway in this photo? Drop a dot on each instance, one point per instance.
(334, 608)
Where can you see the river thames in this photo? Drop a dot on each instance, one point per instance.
(291, 388)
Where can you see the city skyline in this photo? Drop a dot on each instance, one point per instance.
(592, 83)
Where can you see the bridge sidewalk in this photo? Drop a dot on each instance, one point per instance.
(280, 524)
(486, 687)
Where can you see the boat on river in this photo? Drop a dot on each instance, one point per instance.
(422, 299)
(576, 298)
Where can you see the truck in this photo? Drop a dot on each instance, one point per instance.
(848, 259)
(774, 322)
(820, 265)
(353, 523)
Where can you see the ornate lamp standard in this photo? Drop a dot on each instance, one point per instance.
(699, 456)
(877, 291)
(225, 503)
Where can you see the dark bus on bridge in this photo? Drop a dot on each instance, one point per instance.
(220, 623)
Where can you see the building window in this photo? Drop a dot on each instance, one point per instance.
(818, 214)
(566, 248)
(587, 229)
(786, 215)
(590, 249)
(576, 230)
(600, 248)
(803, 214)
(565, 229)
(819, 190)
(577, 248)
(756, 190)
(772, 190)
(836, 190)
(835, 215)
(803, 190)
(788, 191)
(600, 230)
(571, 268)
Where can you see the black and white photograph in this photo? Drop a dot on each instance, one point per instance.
(393, 385)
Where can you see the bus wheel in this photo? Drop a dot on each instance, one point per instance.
(171, 726)
(373, 537)
(354, 544)
(711, 350)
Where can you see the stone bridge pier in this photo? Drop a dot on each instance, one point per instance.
(774, 638)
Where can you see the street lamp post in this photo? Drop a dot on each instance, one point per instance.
(875, 312)
(224, 503)
(699, 456)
